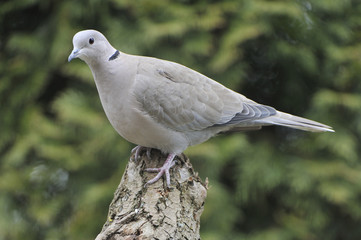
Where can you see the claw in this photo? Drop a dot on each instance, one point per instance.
(168, 164)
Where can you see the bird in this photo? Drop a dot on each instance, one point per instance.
(160, 104)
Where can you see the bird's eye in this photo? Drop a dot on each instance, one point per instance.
(91, 40)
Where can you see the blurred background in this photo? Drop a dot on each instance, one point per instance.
(60, 159)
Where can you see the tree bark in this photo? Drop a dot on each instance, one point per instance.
(155, 211)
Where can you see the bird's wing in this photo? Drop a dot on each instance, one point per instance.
(184, 100)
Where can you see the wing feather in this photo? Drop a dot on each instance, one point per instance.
(184, 100)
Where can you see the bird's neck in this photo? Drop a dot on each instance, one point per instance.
(112, 78)
(104, 77)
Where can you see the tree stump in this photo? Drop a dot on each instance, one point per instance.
(155, 211)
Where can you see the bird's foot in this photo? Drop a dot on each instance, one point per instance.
(168, 164)
(137, 151)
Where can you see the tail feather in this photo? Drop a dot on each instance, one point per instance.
(288, 120)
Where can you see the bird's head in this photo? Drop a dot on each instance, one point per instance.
(90, 46)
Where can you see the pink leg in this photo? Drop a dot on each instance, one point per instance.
(163, 170)
(149, 151)
(138, 150)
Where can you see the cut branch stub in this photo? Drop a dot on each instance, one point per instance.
(154, 211)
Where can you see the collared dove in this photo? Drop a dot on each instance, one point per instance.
(164, 105)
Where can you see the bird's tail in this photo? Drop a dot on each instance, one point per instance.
(288, 120)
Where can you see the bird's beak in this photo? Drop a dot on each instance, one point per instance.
(73, 54)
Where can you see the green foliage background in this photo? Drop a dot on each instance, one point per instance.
(60, 160)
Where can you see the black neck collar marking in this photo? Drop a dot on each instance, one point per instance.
(114, 56)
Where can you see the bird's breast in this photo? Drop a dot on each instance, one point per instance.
(137, 127)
